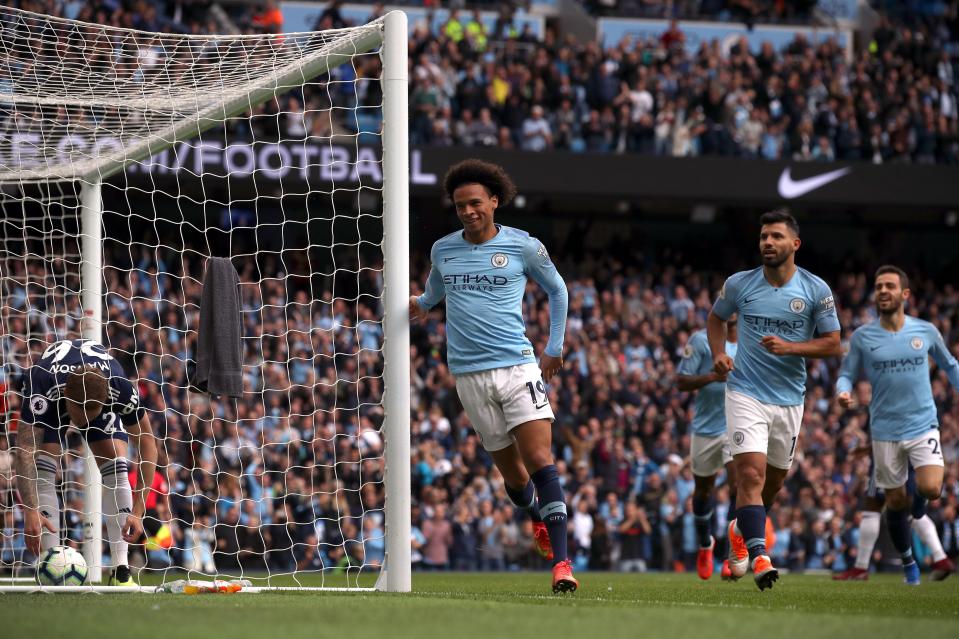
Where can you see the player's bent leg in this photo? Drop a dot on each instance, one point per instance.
(929, 481)
(750, 521)
(775, 477)
(725, 572)
(534, 440)
(703, 518)
(111, 455)
(510, 465)
(925, 529)
(870, 521)
(897, 519)
(520, 489)
(46, 461)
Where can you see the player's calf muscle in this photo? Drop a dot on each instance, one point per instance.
(750, 479)
(26, 467)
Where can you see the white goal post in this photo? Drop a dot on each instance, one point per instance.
(105, 226)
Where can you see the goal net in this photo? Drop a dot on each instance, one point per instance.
(130, 159)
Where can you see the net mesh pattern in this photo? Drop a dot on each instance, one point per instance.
(287, 480)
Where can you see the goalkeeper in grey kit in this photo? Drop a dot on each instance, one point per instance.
(78, 382)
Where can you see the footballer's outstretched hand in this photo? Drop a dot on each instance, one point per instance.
(550, 365)
(416, 311)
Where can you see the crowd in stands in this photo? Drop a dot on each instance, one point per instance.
(893, 99)
(747, 11)
(290, 476)
(895, 102)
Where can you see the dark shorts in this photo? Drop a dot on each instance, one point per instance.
(8, 498)
(91, 434)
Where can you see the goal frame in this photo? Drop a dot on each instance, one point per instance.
(392, 38)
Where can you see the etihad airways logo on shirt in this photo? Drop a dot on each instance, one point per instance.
(471, 282)
(773, 325)
(900, 365)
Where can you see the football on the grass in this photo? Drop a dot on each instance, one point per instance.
(61, 566)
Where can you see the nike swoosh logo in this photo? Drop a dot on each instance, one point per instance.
(750, 300)
(447, 259)
(874, 349)
(790, 189)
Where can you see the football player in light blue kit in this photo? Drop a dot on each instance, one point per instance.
(482, 272)
(894, 353)
(786, 314)
(709, 444)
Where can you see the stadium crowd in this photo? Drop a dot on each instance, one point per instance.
(895, 102)
(894, 99)
(289, 477)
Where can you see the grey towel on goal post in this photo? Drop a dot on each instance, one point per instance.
(219, 357)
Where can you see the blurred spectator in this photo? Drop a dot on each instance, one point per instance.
(438, 533)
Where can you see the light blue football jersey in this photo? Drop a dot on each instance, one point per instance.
(483, 285)
(710, 403)
(897, 366)
(795, 312)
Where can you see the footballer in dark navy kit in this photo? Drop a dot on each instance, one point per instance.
(78, 382)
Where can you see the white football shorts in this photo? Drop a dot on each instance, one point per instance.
(893, 458)
(709, 454)
(755, 427)
(500, 399)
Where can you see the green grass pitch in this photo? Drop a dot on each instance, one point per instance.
(511, 605)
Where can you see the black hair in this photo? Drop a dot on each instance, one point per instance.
(889, 268)
(491, 176)
(780, 216)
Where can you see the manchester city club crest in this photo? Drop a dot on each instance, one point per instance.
(738, 438)
(916, 343)
(797, 305)
(688, 351)
(499, 260)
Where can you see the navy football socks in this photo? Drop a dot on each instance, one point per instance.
(919, 504)
(703, 516)
(751, 521)
(525, 499)
(901, 532)
(552, 508)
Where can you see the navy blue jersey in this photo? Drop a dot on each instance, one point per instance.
(44, 404)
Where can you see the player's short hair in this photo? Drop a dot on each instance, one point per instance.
(87, 387)
(491, 176)
(780, 216)
(889, 268)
